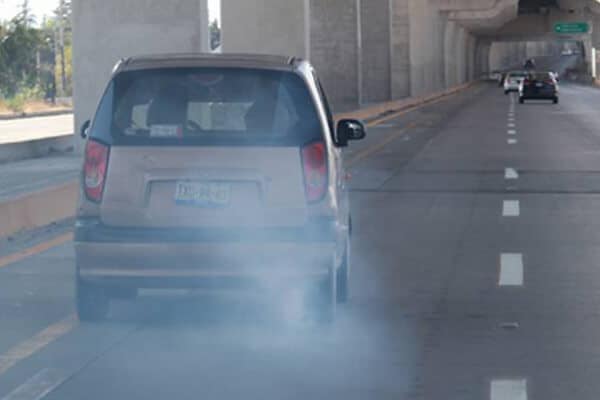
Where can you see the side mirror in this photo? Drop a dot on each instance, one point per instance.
(84, 129)
(350, 129)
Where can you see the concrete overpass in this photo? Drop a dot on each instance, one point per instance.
(366, 51)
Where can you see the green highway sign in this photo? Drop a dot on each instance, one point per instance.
(571, 27)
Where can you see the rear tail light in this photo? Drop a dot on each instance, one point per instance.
(314, 163)
(94, 170)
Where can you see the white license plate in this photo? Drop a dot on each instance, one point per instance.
(203, 194)
(539, 85)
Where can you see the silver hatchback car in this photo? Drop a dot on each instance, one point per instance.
(210, 170)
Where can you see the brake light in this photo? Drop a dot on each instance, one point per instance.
(94, 170)
(314, 163)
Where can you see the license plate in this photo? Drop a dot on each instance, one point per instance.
(203, 194)
(539, 85)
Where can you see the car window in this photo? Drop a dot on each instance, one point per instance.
(205, 105)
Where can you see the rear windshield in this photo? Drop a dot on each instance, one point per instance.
(541, 76)
(518, 74)
(208, 106)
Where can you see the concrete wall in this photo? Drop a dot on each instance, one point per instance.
(400, 49)
(109, 30)
(364, 50)
(265, 26)
(427, 48)
(376, 49)
(335, 48)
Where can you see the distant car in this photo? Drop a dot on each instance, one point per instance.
(495, 76)
(513, 81)
(213, 170)
(539, 86)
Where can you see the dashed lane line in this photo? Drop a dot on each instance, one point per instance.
(38, 386)
(511, 269)
(34, 344)
(511, 173)
(511, 208)
(508, 389)
(512, 141)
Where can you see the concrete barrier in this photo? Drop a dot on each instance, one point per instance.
(38, 209)
(4, 117)
(35, 148)
(57, 203)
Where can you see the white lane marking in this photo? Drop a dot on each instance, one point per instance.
(512, 132)
(511, 125)
(511, 208)
(511, 173)
(38, 386)
(511, 269)
(512, 141)
(508, 389)
(34, 344)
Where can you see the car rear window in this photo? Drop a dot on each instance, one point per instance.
(518, 75)
(221, 106)
(541, 76)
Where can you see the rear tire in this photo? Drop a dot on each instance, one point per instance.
(506, 92)
(343, 277)
(521, 100)
(325, 298)
(555, 100)
(92, 302)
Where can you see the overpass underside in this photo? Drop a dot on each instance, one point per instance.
(377, 50)
(364, 50)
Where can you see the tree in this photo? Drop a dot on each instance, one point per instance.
(215, 34)
(19, 41)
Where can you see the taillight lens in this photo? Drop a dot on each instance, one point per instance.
(94, 169)
(314, 162)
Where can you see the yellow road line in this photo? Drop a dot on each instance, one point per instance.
(38, 248)
(378, 146)
(406, 111)
(34, 344)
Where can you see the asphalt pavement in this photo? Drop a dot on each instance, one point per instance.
(476, 275)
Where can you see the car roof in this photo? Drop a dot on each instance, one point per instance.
(182, 60)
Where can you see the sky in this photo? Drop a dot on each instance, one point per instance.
(9, 8)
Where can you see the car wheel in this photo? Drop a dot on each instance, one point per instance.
(521, 100)
(92, 301)
(555, 100)
(506, 92)
(343, 277)
(323, 302)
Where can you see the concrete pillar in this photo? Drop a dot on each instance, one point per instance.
(482, 61)
(335, 48)
(461, 56)
(471, 49)
(400, 49)
(450, 54)
(105, 31)
(266, 26)
(426, 48)
(376, 49)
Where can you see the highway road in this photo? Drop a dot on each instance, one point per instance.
(25, 129)
(476, 261)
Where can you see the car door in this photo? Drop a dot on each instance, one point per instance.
(341, 175)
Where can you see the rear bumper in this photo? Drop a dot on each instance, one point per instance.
(193, 258)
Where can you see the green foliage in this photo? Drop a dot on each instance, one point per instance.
(215, 34)
(30, 56)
